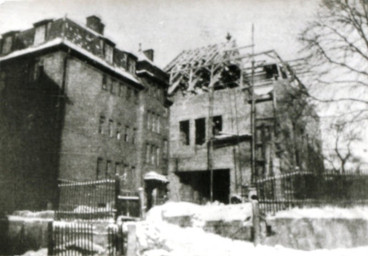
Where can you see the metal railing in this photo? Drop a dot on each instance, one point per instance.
(303, 189)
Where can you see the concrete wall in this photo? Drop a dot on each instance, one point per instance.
(231, 105)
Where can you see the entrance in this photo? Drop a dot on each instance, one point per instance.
(196, 186)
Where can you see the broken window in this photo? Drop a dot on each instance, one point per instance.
(271, 71)
(184, 132)
(200, 131)
(216, 125)
(101, 124)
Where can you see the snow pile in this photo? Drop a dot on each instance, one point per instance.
(40, 214)
(325, 213)
(164, 239)
(41, 252)
(199, 214)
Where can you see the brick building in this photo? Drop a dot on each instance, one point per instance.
(211, 132)
(74, 107)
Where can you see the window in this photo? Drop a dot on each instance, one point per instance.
(109, 53)
(157, 156)
(131, 66)
(148, 120)
(134, 136)
(99, 169)
(35, 71)
(2, 80)
(101, 125)
(104, 82)
(153, 154)
(117, 168)
(7, 44)
(121, 90)
(128, 93)
(158, 125)
(112, 86)
(216, 125)
(40, 34)
(110, 128)
(153, 122)
(148, 157)
(136, 96)
(165, 149)
(200, 131)
(184, 132)
(118, 131)
(126, 134)
(108, 168)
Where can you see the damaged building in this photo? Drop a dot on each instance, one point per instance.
(237, 117)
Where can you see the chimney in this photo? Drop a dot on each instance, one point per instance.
(94, 23)
(149, 54)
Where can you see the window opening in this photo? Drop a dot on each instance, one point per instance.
(200, 131)
(216, 125)
(184, 132)
(101, 124)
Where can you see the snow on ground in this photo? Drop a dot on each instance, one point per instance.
(41, 252)
(158, 238)
(359, 212)
(201, 214)
(163, 239)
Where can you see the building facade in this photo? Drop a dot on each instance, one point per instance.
(214, 90)
(74, 107)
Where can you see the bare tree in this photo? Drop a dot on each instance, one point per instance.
(341, 157)
(336, 44)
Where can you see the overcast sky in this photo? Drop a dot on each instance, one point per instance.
(170, 26)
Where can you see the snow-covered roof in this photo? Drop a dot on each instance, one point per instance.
(155, 176)
(61, 41)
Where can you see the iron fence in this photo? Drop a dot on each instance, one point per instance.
(98, 199)
(88, 200)
(302, 189)
(85, 238)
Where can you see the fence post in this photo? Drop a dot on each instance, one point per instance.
(50, 240)
(256, 223)
(141, 202)
(131, 243)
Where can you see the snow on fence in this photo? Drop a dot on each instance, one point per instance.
(84, 238)
(302, 189)
(98, 199)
